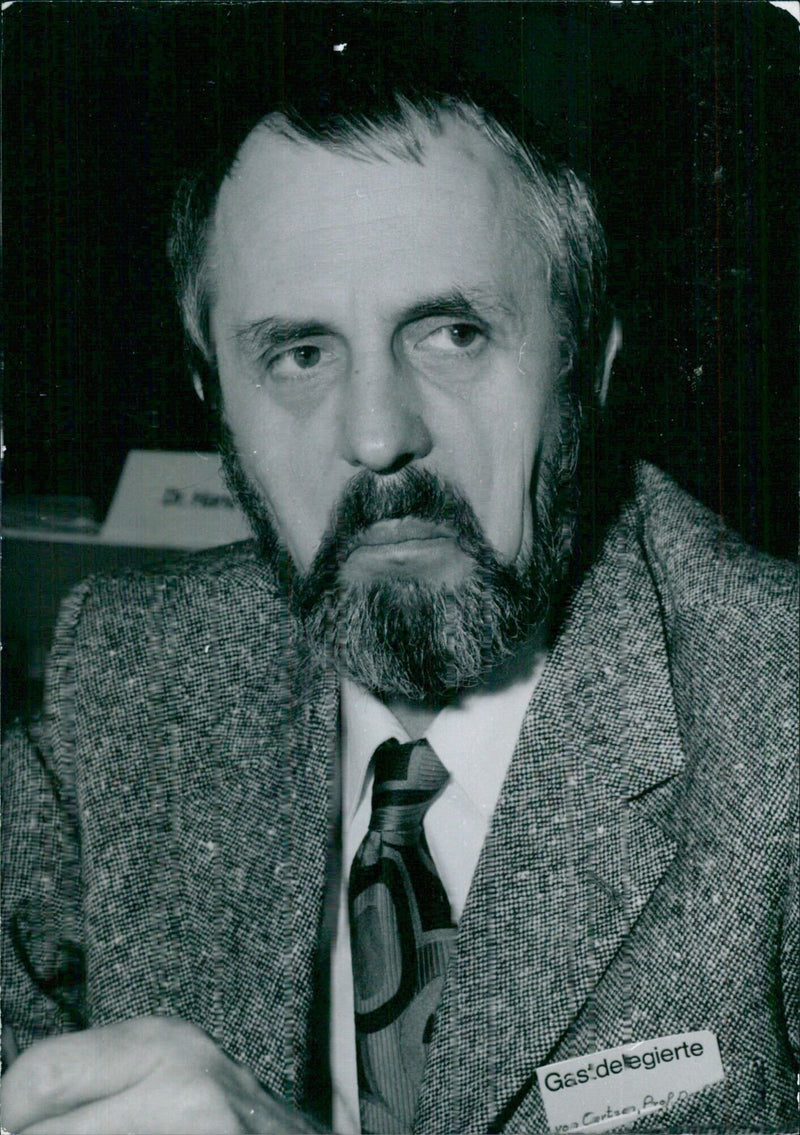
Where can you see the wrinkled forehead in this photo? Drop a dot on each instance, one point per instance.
(456, 161)
(287, 199)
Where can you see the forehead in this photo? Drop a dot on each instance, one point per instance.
(293, 216)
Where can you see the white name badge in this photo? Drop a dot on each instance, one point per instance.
(618, 1085)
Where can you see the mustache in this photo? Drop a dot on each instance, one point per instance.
(370, 498)
(413, 493)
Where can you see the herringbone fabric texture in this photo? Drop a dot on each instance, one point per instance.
(170, 819)
(401, 934)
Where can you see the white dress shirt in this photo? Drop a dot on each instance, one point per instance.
(474, 739)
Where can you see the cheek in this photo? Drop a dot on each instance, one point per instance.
(496, 459)
(286, 462)
(514, 458)
(261, 448)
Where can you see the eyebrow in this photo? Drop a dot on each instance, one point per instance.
(475, 304)
(271, 333)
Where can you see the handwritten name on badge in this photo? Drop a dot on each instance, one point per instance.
(618, 1085)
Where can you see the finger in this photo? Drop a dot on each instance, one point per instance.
(165, 1112)
(127, 1114)
(161, 1108)
(110, 1116)
(271, 1116)
(62, 1073)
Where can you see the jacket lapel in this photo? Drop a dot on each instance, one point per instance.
(312, 811)
(574, 852)
(270, 763)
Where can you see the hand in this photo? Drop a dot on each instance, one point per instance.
(150, 1076)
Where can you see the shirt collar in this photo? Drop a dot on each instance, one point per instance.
(474, 738)
(366, 723)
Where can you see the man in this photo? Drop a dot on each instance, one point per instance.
(394, 318)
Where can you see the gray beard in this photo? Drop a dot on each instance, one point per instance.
(404, 639)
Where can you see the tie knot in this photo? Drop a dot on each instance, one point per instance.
(407, 779)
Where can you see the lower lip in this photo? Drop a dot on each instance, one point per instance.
(435, 555)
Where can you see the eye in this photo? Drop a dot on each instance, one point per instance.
(305, 357)
(305, 360)
(452, 337)
(463, 334)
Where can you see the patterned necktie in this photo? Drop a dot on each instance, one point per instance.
(401, 934)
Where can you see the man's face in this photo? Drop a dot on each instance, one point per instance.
(384, 318)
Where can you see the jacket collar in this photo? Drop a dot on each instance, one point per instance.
(574, 852)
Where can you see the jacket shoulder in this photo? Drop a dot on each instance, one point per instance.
(216, 611)
(225, 581)
(233, 566)
(730, 615)
(697, 560)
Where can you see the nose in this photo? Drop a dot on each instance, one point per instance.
(383, 428)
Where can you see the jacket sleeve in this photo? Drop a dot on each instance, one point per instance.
(43, 970)
(790, 943)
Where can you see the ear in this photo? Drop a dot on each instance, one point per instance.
(613, 346)
(197, 383)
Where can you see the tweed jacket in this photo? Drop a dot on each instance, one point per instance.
(168, 824)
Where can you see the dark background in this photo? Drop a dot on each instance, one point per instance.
(685, 115)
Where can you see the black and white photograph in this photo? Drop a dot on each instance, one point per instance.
(401, 477)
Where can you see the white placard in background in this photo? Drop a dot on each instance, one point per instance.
(172, 500)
